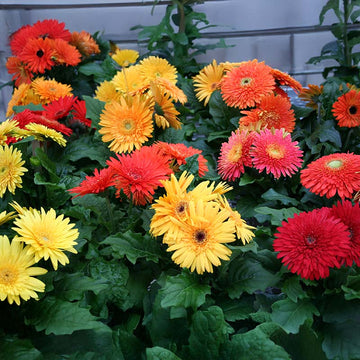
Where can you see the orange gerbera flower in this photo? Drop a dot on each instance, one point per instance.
(245, 85)
(21, 74)
(38, 55)
(346, 109)
(178, 154)
(85, 43)
(311, 95)
(52, 29)
(64, 53)
(127, 123)
(50, 90)
(208, 80)
(333, 174)
(153, 67)
(139, 174)
(17, 98)
(168, 87)
(20, 37)
(285, 79)
(273, 111)
(235, 154)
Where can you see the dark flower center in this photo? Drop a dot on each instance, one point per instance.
(352, 110)
(200, 236)
(40, 53)
(310, 240)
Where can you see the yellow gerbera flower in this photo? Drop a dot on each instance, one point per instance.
(127, 123)
(154, 67)
(19, 209)
(7, 128)
(200, 243)
(40, 131)
(208, 80)
(47, 235)
(5, 217)
(50, 90)
(129, 81)
(16, 272)
(11, 169)
(125, 57)
(106, 92)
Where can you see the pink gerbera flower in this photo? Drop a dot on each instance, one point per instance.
(274, 151)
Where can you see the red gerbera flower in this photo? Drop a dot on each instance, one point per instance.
(20, 37)
(350, 216)
(138, 174)
(52, 29)
(97, 183)
(64, 53)
(273, 111)
(178, 154)
(59, 108)
(79, 112)
(275, 152)
(310, 243)
(37, 54)
(245, 85)
(235, 154)
(336, 173)
(346, 109)
(285, 79)
(21, 74)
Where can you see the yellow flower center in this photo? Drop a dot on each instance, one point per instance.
(235, 153)
(275, 151)
(8, 275)
(245, 81)
(43, 239)
(128, 124)
(335, 164)
(200, 236)
(269, 117)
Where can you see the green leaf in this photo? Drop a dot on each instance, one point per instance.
(134, 246)
(218, 135)
(60, 317)
(277, 216)
(160, 353)
(254, 345)
(94, 108)
(292, 288)
(246, 179)
(290, 315)
(208, 331)
(16, 349)
(191, 165)
(31, 106)
(330, 5)
(271, 194)
(352, 288)
(183, 290)
(238, 309)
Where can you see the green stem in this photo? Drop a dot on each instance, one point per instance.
(181, 12)
(347, 140)
(345, 37)
(110, 213)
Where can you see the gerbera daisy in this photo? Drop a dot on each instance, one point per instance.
(346, 109)
(20, 97)
(175, 202)
(38, 55)
(200, 244)
(11, 169)
(171, 89)
(311, 242)
(21, 74)
(79, 113)
(85, 43)
(59, 108)
(285, 79)
(139, 174)
(47, 235)
(127, 124)
(52, 29)
(17, 273)
(208, 80)
(125, 57)
(153, 67)
(165, 113)
(129, 81)
(64, 53)
(106, 92)
(20, 37)
(245, 85)
(275, 152)
(349, 214)
(50, 90)
(6, 216)
(178, 153)
(41, 131)
(333, 174)
(97, 183)
(235, 154)
(311, 95)
(273, 111)
(7, 128)
(20, 209)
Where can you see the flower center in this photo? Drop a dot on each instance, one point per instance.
(334, 164)
(353, 110)
(269, 117)
(200, 236)
(128, 124)
(275, 151)
(245, 81)
(235, 153)
(3, 170)
(310, 240)
(8, 276)
(40, 53)
(214, 86)
(181, 207)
